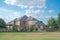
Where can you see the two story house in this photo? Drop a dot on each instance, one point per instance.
(24, 23)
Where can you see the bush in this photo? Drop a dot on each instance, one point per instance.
(22, 30)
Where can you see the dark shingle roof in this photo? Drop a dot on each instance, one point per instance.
(40, 23)
(31, 19)
(24, 18)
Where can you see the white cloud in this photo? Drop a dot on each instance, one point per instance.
(51, 11)
(1, 16)
(48, 16)
(13, 16)
(27, 3)
(5, 10)
(8, 15)
(16, 14)
(32, 12)
(36, 13)
(12, 2)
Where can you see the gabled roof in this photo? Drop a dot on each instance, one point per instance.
(40, 23)
(17, 19)
(31, 19)
(10, 23)
(24, 18)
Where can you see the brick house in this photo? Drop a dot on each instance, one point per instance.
(24, 22)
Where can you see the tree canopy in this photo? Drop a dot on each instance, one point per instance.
(59, 19)
(52, 23)
(2, 23)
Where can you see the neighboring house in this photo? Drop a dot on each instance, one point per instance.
(24, 23)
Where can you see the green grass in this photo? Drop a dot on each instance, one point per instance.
(30, 36)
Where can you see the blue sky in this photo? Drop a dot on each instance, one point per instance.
(39, 9)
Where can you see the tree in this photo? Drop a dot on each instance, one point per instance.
(52, 23)
(58, 20)
(31, 28)
(2, 23)
(13, 27)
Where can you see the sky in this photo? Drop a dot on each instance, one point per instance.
(39, 9)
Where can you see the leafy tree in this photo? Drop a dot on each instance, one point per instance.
(52, 23)
(13, 26)
(58, 20)
(2, 23)
(31, 28)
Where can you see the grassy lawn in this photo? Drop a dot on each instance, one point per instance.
(30, 36)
